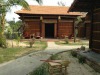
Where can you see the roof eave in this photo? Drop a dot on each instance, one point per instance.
(50, 14)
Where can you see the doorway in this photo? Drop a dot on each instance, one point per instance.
(49, 30)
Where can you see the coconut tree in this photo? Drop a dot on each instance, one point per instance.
(5, 5)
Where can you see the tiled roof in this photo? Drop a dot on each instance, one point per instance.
(47, 10)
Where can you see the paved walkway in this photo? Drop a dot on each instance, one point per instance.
(26, 64)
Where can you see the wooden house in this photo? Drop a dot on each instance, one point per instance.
(92, 7)
(48, 21)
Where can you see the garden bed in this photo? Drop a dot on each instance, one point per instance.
(74, 68)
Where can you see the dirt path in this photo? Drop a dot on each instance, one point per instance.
(28, 63)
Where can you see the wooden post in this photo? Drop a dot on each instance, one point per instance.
(85, 30)
(55, 30)
(91, 27)
(43, 30)
(41, 19)
(74, 31)
(58, 21)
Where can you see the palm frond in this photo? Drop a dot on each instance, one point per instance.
(22, 3)
(39, 1)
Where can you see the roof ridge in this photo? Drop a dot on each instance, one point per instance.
(48, 6)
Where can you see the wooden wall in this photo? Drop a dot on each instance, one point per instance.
(62, 27)
(96, 31)
(87, 25)
(32, 27)
(87, 33)
(81, 31)
(65, 29)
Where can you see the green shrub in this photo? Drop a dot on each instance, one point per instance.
(3, 41)
(8, 35)
(81, 59)
(55, 56)
(42, 70)
(74, 53)
(82, 47)
(31, 42)
(66, 40)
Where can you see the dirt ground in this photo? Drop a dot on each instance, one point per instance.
(15, 43)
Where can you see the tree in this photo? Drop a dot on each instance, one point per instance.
(76, 24)
(60, 3)
(5, 5)
(15, 25)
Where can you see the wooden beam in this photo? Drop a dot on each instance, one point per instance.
(31, 20)
(31, 16)
(65, 20)
(49, 21)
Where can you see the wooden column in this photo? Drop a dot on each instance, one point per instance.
(73, 25)
(74, 30)
(91, 27)
(55, 30)
(57, 27)
(85, 30)
(43, 30)
(41, 19)
(59, 18)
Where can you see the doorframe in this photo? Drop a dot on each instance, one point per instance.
(49, 21)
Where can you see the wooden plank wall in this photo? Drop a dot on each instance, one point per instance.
(87, 26)
(96, 31)
(87, 30)
(65, 29)
(32, 27)
(81, 31)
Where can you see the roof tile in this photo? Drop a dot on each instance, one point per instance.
(48, 10)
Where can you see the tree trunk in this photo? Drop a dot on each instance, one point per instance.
(3, 22)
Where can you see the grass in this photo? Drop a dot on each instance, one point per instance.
(41, 45)
(70, 43)
(7, 54)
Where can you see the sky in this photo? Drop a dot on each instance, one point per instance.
(12, 16)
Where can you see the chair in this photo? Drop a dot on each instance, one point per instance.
(37, 35)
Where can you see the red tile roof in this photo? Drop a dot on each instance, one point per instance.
(48, 10)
